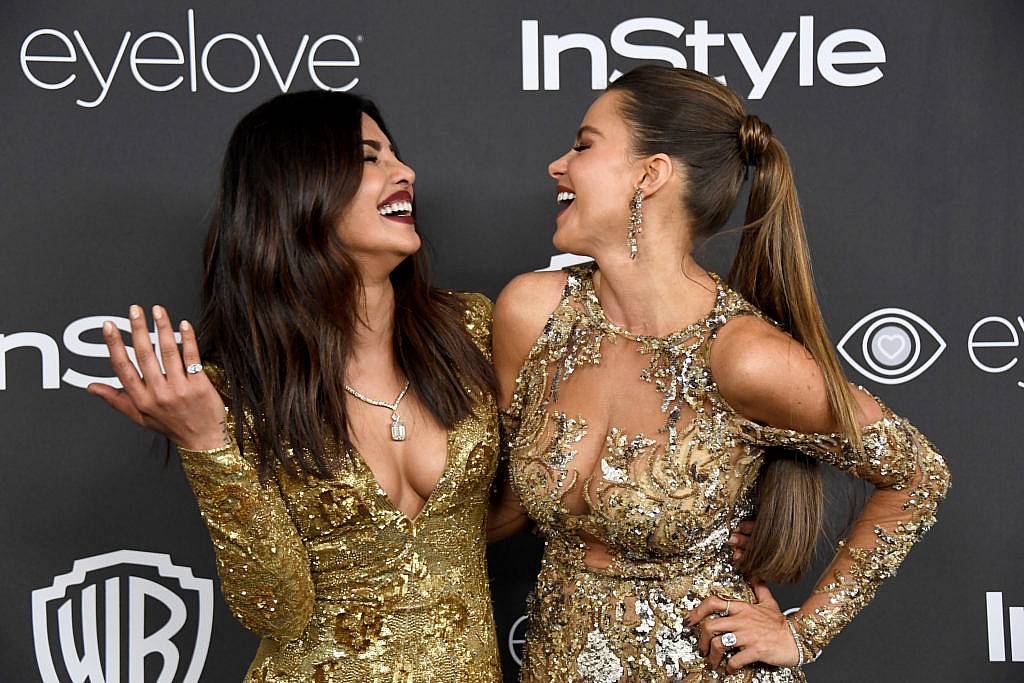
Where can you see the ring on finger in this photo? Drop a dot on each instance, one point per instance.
(729, 639)
(194, 368)
(725, 612)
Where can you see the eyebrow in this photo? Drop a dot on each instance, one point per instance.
(588, 129)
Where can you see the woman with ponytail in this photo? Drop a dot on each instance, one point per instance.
(650, 406)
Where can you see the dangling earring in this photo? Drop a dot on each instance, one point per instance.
(636, 221)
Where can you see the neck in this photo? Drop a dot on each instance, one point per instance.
(376, 322)
(659, 291)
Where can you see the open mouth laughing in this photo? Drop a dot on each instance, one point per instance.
(565, 197)
(397, 207)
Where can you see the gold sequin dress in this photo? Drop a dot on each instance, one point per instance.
(341, 585)
(674, 467)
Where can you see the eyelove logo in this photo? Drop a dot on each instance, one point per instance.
(174, 637)
(160, 62)
(867, 51)
(891, 346)
(894, 345)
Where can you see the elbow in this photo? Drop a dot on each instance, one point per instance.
(281, 615)
(939, 473)
(296, 618)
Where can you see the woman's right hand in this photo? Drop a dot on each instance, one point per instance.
(185, 407)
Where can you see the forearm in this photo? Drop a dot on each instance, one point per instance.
(895, 517)
(262, 563)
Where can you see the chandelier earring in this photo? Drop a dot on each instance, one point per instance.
(636, 221)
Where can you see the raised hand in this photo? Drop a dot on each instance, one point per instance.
(181, 404)
(759, 632)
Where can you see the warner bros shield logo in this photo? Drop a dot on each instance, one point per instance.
(123, 617)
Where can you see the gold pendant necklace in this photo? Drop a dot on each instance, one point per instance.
(397, 426)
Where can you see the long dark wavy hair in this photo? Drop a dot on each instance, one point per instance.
(702, 124)
(280, 293)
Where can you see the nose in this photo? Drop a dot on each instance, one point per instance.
(556, 169)
(402, 173)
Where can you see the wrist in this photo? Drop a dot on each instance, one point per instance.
(213, 438)
(801, 650)
(203, 443)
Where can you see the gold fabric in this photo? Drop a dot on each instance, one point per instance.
(341, 585)
(632, 548)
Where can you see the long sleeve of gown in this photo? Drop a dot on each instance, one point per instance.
(910, 480)
(263, 566)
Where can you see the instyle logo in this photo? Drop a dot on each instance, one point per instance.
(161, 62)
(49, 353)
(154, 620)
(861, 49)
(996, 617)
(890, 350)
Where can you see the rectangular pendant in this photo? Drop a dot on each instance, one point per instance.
(397, 431)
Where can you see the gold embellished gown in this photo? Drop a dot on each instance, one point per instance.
(677, 470)
(341, 585)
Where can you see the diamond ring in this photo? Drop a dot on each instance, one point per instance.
(194, 368)
(729, 639)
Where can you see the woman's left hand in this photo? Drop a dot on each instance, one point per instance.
(761, 631)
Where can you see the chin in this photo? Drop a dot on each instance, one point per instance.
(410, 246)
(564, 242)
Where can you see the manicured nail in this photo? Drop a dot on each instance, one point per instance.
(135, 312)
(108, 328)
(185, 327)
(158, 313)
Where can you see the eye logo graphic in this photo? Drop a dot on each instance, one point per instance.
(167, 610)
(891, 346)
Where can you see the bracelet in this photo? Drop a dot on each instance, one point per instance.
(796, 639)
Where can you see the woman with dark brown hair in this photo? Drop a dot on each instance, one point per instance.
(649, 406)
(343, 437)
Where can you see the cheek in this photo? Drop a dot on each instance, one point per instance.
(598, 182)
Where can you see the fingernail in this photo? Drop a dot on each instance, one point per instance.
(134, 312)
(185, 326)
(108, 328)
(158, 313)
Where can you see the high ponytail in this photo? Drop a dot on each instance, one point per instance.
(703, 124)
(772, 269)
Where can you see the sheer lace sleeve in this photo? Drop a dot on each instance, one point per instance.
(263, 566)
(911, 479)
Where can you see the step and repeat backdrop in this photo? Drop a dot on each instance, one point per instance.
(904, 124)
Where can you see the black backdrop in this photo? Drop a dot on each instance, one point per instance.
(907, 154)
